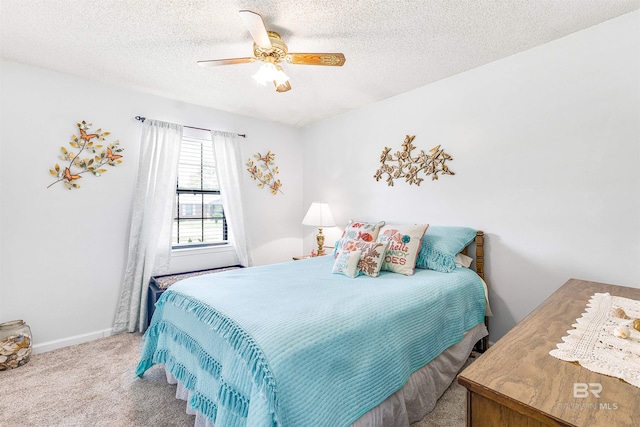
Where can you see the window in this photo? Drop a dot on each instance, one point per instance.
(198, 218)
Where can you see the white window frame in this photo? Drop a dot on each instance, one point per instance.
(182, 247)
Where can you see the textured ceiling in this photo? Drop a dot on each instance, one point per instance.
(391, 46)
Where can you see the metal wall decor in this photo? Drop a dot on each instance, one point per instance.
(100, 156)
(264, 173)
(408, 167)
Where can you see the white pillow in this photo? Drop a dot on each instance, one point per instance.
(404, 243)
(347, 263)
(462, 260)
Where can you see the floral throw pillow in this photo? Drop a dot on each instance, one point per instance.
(371, 255)
(404, 244)
(358, 230)
(347, 263)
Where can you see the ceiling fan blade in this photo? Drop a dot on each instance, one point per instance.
(332, 59)
(229, 61)
(255, 25)
(283, 87)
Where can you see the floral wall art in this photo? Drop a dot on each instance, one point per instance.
(264, 171)
(402, 164)
(76, 165)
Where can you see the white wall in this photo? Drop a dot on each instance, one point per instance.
(546, 148)
(63, 253)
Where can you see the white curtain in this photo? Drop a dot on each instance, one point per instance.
(226, 148)
(151, 222)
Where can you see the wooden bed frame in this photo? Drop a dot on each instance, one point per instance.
(483, 344)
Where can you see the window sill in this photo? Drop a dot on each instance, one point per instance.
(202, 258)
(201, 250)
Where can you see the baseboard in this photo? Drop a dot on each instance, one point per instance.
(65, 342)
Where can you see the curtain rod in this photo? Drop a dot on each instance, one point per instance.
(142, 119)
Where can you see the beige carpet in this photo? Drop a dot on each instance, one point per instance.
(94, 384)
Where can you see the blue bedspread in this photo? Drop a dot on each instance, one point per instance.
(293, 345)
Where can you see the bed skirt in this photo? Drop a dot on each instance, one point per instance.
(411, 403)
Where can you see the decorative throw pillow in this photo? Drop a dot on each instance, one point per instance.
(440, 246)
(358, 230)
(371, 256)
(404, 244)
(347, 263)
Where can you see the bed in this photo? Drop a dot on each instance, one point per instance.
(293, 344)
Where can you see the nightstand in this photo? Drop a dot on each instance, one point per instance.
(328, 250)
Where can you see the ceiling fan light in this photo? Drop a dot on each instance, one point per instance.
(283, 87)
(280, 77)
(266, 73)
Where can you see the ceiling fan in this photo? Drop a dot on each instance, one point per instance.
(269, 48)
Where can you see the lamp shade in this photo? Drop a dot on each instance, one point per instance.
(319, 215)
(270, 72)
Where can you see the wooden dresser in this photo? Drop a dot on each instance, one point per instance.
(518, 383)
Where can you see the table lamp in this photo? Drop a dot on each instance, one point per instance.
(319, 215)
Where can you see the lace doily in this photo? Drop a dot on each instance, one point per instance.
(593, 345)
